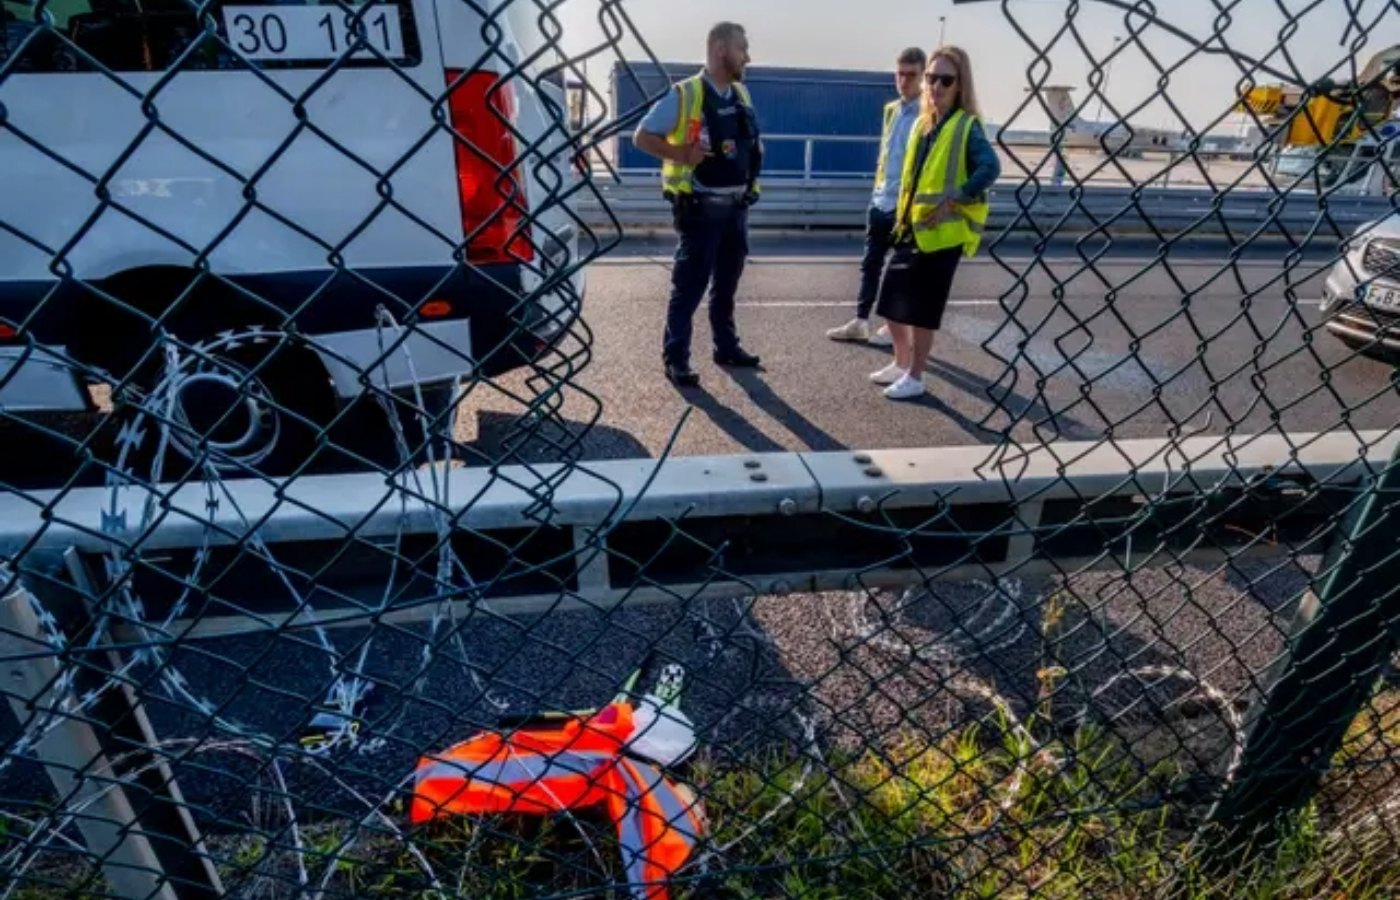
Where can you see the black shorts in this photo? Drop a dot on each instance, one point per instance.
(916, 286)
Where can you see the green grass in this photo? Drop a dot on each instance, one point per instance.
(978, 813)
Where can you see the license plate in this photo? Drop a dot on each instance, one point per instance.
(1383, 297)
(313, 32)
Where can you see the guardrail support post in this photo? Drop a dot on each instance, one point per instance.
(133, 817)
(72, 756)
(1342, 635)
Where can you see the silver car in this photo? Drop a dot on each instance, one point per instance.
(1361, 297)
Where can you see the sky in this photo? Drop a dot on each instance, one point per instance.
(867, 34)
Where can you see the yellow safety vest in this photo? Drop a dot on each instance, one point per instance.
(891, 113)
(676, 178)
(944, 171)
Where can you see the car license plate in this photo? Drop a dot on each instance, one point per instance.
(1383, 297)
(313, 32)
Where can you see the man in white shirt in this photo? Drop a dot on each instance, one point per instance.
(900, 116)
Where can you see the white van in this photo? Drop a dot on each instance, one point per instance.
(272, 183)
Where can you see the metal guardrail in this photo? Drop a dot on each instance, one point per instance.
(1015, 139)
(616, 533)
(1018, 513)
(1020, 206)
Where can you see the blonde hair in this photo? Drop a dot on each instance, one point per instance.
(967, 93)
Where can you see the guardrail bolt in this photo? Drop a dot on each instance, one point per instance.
(863, 459)
(788, 507)
(875, 471)
(866, 505)
(752, 464)
(781, 588)
(758, 476)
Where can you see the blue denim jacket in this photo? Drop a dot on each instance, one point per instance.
(983, 165)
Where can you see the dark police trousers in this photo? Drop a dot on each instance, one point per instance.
(713, 245)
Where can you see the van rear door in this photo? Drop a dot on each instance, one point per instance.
(134, 137)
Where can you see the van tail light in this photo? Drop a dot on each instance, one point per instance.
(493, 199)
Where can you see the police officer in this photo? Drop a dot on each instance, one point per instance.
(900, 116)
(706, 134)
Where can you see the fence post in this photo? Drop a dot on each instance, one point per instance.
(807, 151)
(1340, 638)
(148, 851)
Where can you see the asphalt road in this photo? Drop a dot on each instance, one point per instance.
(1051, 346)
(1073, 343)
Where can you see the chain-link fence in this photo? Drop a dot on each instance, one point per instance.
(271, 627)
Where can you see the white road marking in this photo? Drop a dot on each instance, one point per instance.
(823, 303)
(981, 301)
(634, 259)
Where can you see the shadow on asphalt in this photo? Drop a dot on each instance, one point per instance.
(799, 425)
(505, 438)
(739, 428)
(1047, 422)
(731, 422)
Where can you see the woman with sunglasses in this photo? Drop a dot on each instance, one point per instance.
(948, 168)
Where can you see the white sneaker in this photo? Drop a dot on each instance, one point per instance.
(854, 330)
(882, 337)
(888, 375)
(905, 388)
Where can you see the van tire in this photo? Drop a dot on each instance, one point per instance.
(239, 406)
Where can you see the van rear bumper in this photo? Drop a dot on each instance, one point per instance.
(39, 378)
(363, 325)
(395, 358)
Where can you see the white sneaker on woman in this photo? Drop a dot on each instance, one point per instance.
(882, 337)
(888, 375)
(905, 388)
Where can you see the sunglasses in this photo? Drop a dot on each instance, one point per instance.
(946, 80)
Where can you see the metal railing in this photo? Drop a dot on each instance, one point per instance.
(1234, 170)
(1164, 213)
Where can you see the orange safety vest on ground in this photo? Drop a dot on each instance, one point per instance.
(579, 764)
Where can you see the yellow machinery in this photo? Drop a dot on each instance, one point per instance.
(1329, 109)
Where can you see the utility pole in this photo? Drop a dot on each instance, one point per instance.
(942, 29)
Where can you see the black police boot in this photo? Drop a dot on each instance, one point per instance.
(737, 358)
(682, 375)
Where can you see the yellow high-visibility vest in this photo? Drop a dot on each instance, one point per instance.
(944, 170)
(677, 178)
(891, 114)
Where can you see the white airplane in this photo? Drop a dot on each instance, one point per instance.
(1082, 133)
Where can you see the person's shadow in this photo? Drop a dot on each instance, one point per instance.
(745, 433)
(740, 429)
(1047, 423)
(511, 439)
(801, 427)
